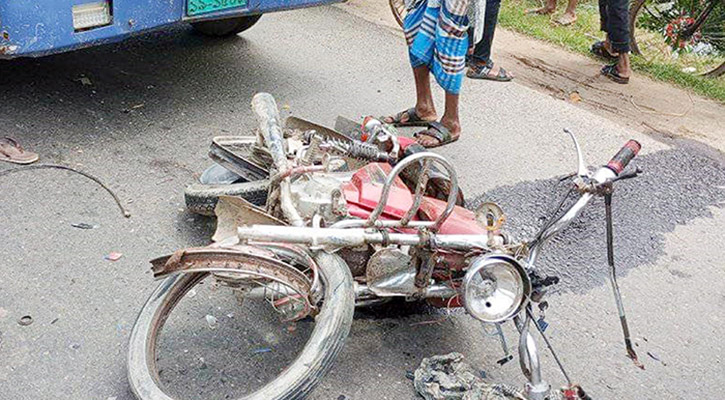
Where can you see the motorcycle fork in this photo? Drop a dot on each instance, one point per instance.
(536, 388)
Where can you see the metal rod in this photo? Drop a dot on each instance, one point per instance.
(353, 237)
(265, 107)
(613, 279)
(419, 190)
(390, 179)
(550, 347)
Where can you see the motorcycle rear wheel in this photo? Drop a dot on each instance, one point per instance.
(332, 325)
(202, 199)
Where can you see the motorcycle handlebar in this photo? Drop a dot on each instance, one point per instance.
(624, 156)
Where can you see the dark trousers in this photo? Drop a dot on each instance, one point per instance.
(614, 19)
(482, 51)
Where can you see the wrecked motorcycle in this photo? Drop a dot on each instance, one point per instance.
(345, 223)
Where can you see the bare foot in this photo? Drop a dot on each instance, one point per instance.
(565, 19)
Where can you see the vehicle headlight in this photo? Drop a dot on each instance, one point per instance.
(495, 288)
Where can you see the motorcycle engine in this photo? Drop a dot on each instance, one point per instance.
(321, 194)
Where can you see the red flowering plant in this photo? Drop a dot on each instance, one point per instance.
(676, 33)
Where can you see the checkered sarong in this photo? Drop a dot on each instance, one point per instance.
(436, 31)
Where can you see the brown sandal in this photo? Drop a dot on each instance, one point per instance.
(437, 131)
(12, 151)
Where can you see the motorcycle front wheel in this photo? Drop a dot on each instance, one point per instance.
(293, 380)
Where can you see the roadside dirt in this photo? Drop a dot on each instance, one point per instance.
(644, 105)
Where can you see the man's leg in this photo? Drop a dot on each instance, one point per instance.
(450, 116)
(449, 120)
(482, 50)
(603, 25)
(420, 50)
(424, 106)
(618, 34)
(481, 56)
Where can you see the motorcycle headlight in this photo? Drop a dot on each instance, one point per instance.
(495, 288)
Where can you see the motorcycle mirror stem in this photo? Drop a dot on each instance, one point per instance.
(581, 169)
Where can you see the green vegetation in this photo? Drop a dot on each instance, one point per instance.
(582, 34)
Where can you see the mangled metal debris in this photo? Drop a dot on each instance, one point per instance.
(448, 377)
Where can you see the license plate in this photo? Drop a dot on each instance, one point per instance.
(196, 7)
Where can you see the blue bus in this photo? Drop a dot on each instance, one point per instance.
(35, 28)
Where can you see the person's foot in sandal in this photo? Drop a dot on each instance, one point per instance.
(415, 116)
(568, 18)
(613, 72)
(620, 71)
(438, 134)
(603, 49)
(488, 71)
(12, 151)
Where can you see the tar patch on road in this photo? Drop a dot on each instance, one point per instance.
(676, 186)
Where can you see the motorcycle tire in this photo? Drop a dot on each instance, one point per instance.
(296, 381)
(226, 27)
(201, 199)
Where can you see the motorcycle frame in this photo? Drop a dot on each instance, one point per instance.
(373, 230)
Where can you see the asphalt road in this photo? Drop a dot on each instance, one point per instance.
(144, 123)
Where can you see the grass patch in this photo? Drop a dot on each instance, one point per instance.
(580, 36)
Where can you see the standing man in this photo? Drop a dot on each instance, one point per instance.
(614, 20)
(436, 31)
(480, 65)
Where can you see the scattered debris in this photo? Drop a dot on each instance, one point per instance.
(83, 225)
(211, 321)
(132, 108)
(12, 151)
(448, 377)
(113, 256)
(125, 212)
(25, 320)
(262, 350)
(84, 80)
(271, 338)
(655, 357)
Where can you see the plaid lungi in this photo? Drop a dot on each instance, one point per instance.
(436, 31)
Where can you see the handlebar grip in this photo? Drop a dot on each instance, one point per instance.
(624, 156)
